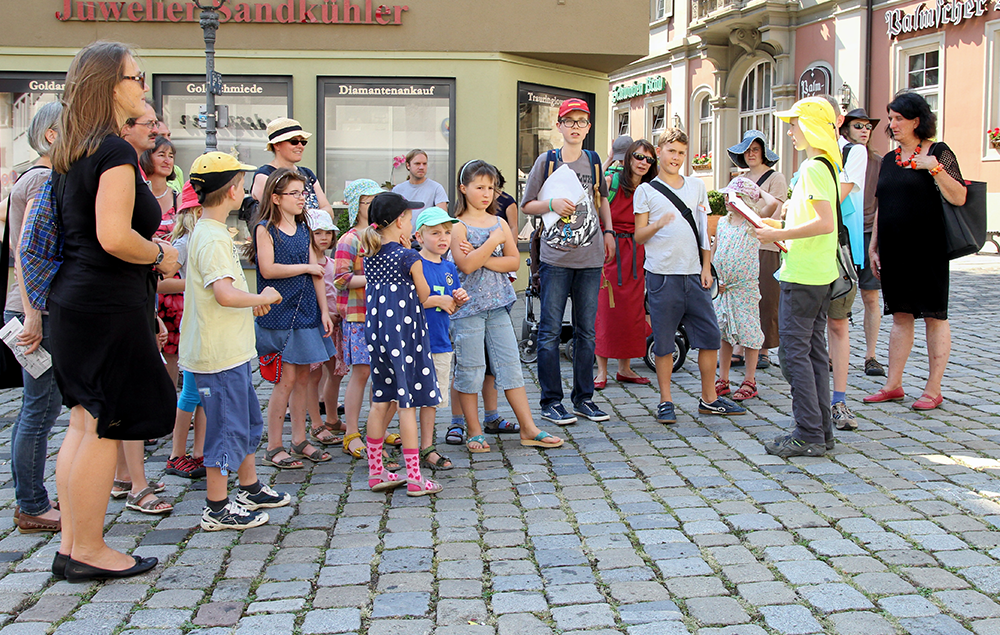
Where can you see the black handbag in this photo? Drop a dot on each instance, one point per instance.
(964, 225)
(847, 272)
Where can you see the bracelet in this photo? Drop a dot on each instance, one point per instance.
(550, 206)
(936, 169)
(609, 231)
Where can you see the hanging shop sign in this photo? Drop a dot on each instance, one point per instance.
(814, 81)
(651, 85)
(285, 12)
(935, 16)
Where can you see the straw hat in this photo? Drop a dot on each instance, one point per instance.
(283, 129)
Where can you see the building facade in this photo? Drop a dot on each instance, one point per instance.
(717, 68)
(371, 81)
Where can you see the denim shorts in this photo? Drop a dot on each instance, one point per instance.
(471, 337)
(676, 300)
(234, 424)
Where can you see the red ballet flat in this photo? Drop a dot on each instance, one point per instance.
(884, 395)
(926, 402)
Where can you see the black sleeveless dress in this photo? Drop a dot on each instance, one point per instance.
(911, 237)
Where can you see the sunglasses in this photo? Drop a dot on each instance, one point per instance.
(298, 142)
(141, 78)
(862, 126)
(642, 157)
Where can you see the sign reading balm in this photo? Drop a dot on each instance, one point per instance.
(942, 14)
(814, 81)
(286, 12)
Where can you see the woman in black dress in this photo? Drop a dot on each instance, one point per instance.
(103, 347)
(907, 249)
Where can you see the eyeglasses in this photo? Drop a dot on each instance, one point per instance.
(296, 194)
(152, 125)
(642, 157)
(575, 123)
(862, 126)
(298, 142)
(141, 78)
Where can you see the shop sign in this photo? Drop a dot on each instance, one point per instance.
(814, 81)
(941, 14)
(286, 12)
(25, 85)
(655, 84)
(389, 90)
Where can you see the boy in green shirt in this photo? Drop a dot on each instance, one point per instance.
(808, 270)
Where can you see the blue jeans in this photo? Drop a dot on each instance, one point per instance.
(40, 405)
(473, 336)
(581, 286)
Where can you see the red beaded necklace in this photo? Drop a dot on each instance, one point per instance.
(908, 162)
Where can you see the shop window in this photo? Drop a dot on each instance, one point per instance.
(705, 126)
(623, 123)
(658, 121)
(21, 95)
(757, 103)
(366, 122)
(923, 70)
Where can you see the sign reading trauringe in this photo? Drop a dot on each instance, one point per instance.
(286, 12)
(651, 85)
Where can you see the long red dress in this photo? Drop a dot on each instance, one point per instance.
(622, 330)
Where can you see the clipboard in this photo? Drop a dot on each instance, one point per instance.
(752, 217)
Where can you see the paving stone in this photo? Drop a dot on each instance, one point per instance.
(521, 624)
(342, 597)
(649, 612)
(573, 594)
(936, 625)
(968, 604)
(331, 621)
(26, 628)
(762, 593)
(265, 624)
(159, 618)
(219, 614)
(174, 599)
(413, 603)
(807, 572)
(883, 583)
(50, 609)
(401, 627)
(790, 619)
(908, 606)
(455, 612)
(583, 616)
(861, 623)
(693, 587)
(717, 610)
(829, 598)
(518, 602)
(289, 605)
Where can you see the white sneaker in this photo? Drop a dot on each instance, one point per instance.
(232, 516)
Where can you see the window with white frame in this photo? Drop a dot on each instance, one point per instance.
(657, 10)
(757, 103)
(705, 125)
(658, 121)
(923, 72)
(621, 121)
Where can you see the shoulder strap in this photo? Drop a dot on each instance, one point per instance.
(616, 181)
(682, 208)
(764, 177)
(595, 165)
(842, 236)
(550, 162)
(845, 152)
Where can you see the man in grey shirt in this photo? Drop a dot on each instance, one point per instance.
(573, 252)
(417, 187)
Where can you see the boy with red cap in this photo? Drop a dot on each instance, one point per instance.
(572, 253)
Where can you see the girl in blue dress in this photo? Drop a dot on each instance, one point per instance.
(401, 365)
(298, 328)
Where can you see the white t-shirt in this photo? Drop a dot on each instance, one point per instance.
(672, 250)
(853, 207)
(430, 193)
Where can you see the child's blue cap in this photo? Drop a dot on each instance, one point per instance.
(433, 216)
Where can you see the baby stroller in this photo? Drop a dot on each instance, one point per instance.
(528, 347)
(681, 347)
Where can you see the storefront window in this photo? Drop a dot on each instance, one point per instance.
(757, 103)
(537, 117)
(367, 122)
(21, 95)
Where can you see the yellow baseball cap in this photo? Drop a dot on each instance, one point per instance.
(214, 170)
(818, 123)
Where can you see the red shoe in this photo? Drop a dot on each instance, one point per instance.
(886, 395)
(625, 379)
(926, 402)
(722, 387)
(600, 385)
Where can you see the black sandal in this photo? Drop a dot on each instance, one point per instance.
(501, 426)
(455, 435)
(438, 465)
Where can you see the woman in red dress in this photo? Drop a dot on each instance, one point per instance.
(621, 314)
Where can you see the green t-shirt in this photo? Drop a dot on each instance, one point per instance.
(811, 260)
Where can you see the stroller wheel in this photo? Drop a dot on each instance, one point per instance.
(528, 351)
(680, 352)
(568, 350)
(649, 358)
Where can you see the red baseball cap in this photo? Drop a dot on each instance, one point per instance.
(570, 105)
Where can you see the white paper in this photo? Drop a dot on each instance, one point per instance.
(36, 363)
(562, 183)
(748, 213)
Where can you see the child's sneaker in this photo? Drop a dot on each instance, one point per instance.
(232, 516)
(184, 466)
(265, 498)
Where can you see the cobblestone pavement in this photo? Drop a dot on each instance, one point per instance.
(632, 527)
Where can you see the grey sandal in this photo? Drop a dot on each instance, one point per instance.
(442, 464)
(284, 464)
(150, 506)
(316, 456)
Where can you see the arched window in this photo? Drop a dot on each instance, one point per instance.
(705, 125)
(757, 103)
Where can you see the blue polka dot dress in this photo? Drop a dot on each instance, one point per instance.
(402, 368)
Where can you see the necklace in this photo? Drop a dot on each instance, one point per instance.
(161, 195)
(908, 162)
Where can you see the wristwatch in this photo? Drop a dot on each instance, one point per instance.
(159, 257)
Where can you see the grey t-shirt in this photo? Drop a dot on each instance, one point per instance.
(430, 193)
(25, 189)
(577, 244)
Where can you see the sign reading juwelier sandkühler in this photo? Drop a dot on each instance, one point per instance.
(285, 12)
(941, 14)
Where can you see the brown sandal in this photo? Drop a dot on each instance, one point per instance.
(150, 506)
(124, 487)
(316, 456)
(284, 464)
(747, 390)
(330, 439)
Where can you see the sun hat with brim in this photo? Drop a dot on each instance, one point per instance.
(434, 216)
(736, 152)
(213, 171)
(189, 198)
(353, 193)
(319, 220)
(818, 123)
(283, 129)
(620, 147)
(859, 113)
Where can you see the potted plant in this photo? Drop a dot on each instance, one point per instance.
(702, 161)
(994, 136)
(397, 162)
(717, 208)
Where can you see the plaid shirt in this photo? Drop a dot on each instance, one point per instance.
(348, 263)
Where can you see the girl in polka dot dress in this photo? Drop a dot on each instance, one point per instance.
(401, 366)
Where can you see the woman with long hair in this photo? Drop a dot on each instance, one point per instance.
(103, 345)
(621, 309)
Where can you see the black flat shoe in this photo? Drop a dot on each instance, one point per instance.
(59, 563)
(81, 572)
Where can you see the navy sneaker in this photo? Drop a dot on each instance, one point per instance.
(232, 516)
(786, 446)
(721, 406)
(665, 413)
(265, 498)
(588, 410)
(557, 414)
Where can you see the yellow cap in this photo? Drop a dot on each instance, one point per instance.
(818, 123)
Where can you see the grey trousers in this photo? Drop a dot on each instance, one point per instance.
(804, 358)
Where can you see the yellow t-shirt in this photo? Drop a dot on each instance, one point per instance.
(811, 260)
(213, 338)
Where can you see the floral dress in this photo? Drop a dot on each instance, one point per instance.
(736, 261)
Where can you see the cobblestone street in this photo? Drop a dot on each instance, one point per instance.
(630, 528)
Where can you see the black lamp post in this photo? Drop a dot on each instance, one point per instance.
(213, 80)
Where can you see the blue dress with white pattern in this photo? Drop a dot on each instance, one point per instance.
(401, 364)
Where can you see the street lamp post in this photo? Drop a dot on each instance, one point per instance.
(213, 80)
